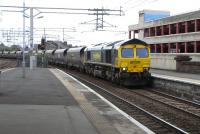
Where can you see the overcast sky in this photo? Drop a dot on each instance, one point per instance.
(85, 34)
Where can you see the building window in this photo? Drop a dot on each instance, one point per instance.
(152, 49)
(166, 29)
(146, 32)
(173, 28)
(181, 28)
(198, 46)
(158, 31)
(182, 47)
(165, 47)
(158, 48)
(198, 25)
(190, 47)
(191, 26)
(152, 31)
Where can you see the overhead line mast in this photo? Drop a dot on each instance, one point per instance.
(99, 21)
(98, 12)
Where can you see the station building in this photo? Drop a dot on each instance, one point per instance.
(168, 34)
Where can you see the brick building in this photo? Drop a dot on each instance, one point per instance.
(168, 34)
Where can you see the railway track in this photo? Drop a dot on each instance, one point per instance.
(177, 98)
(6, 63)
(193, 109)
(123, 100)
(182, 114)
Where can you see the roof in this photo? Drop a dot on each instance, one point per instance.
(131, 41)
(75, 49)
(116, 44)
(49, 51)
(60, 50)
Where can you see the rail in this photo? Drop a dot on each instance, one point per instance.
(159, 124)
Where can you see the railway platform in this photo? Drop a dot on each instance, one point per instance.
(48, 101)
(177, 76)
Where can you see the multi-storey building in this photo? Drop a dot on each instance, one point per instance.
(168, 34)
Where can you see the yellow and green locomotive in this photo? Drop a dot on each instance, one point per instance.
(125, 62)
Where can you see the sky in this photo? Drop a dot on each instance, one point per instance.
(86, 34)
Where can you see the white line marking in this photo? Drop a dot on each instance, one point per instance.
(5, 70)
(147, 130)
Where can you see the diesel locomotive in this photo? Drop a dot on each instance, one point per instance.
(123, 62)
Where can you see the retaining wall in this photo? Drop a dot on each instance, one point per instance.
(185, 90)
(167, 61)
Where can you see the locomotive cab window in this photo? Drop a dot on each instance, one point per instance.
(108, 56)
(127, 52)
(115, 53)
(88, 55)
(142, 52)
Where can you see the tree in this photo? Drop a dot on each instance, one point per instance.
(15, 48)
(3, 47)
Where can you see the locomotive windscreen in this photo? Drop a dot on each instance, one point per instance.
(127, 52)
(142, 52)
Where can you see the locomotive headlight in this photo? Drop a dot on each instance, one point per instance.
(146, 68)
(124, 68)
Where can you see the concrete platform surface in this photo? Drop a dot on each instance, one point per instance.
(177, 76)
(40, 87)
(48, 101)
(39, 104)
(43, 119)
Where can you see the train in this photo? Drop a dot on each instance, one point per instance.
(125, 62)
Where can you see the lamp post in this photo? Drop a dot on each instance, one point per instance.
(31, 28)
(23, 62)
(33, 59)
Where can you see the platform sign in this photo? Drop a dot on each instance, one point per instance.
(155, 15)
